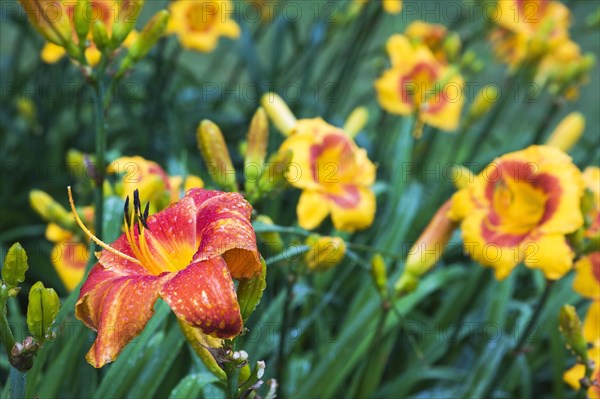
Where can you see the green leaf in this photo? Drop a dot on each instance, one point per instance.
(250, 292)
(41, 310)
(15, 266)
(191, 385)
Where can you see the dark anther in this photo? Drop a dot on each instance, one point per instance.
(126, 211)
(145, 216)
(136, 201)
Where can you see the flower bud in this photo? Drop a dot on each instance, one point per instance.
(100, 35)
(250, 292)
(50, 18)
(271, 239)
(279, 112)
(428, 249)
(81, 19)
(324, 253)
(153, 31)
(127, 16)
(483, 102)
(50, 210)
(568, 132)
(201, 343)
(216, 155)
(41, 310)
(276, 168)
(571, 328)
(356, 121)
(15, 266)
(379, 275)
(452, 46)
(461, 176)
(256, 151)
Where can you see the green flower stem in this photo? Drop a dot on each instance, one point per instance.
(583, 388)
(17, 383)
(281, 356)
(508, 361)
(6, 335)
(99, 113)
(233, 374)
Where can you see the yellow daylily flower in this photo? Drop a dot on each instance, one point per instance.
(432, 35)
(200, 23)
(151, 180)
(334, 174)
(519, 208)
(418, 83)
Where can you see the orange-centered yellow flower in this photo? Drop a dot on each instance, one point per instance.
(520, 208)
(188, 255)
(199, 23)
(151, 180)
(334, 174)
(418, 83)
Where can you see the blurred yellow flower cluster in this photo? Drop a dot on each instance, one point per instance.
(421, 81)
(536, 32)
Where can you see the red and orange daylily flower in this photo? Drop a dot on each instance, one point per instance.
(188, 255)
(334, 174)
(200, 23)
(520, 208)
(419, 83)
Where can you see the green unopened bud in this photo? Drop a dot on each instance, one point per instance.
(258, 139)
(100, 35)
(356, 121)
(325, 252)
(379, 275)
(571, 328)
(50, 210)
(461, 176)
(216, 155)
(81, 19)
(276, 168)
(568, 132)
(153, 31)
(26, 109)
(127, 16)
(204, 346)
(427, 250)
(452, 46)
(250, 292)
(52, 21)
(279, 112)
(483, 102)
(15, 266)
(271, 239)
(41, 311)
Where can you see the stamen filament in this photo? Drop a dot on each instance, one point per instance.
(93, 237)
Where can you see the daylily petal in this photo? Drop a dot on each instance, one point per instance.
(116, 306)
(551, 253)
(203, 295)
(224, 228)
(69, 259)
(503, 257)
(312, 208)
(587, 279)
(591, 324)
(353, 209)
